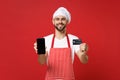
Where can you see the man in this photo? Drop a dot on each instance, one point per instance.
(60, 49)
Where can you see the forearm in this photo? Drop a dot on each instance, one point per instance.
(83, 57)
(42, 58)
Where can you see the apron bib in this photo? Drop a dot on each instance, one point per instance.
(60, 65)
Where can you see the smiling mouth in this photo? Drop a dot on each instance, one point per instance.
(60, 25)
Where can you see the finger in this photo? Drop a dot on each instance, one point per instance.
(83, 47)
(35, 47)
(86, 47)
(35, 44)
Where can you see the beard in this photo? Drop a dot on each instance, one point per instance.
(61, 28)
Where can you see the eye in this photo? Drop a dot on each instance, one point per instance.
(63, 19)
(56, 19)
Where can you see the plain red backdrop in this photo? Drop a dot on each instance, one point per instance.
(96, 22)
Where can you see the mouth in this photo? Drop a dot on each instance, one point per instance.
(60, 25)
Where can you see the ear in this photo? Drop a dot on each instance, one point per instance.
(67, 22)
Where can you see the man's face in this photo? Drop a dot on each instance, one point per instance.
(60, 23)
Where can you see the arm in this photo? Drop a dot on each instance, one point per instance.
(82, 53)
(41, 57)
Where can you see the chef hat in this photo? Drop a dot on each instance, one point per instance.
(64, 12)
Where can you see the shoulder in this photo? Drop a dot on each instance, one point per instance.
(48, 39)
(48, 36)
(71, 36)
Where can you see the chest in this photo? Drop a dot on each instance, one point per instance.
(60, 43)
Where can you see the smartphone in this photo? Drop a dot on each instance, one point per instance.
(77, 41)
(41, 45)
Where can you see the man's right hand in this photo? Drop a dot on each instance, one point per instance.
(35, 47)
(42, 57)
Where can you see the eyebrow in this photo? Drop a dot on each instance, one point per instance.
(60, 18)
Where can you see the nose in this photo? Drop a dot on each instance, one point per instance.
(60, 21)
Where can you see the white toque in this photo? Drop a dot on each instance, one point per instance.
(64, 12)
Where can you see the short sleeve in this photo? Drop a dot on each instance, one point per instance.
(48, 41)
(76, 48)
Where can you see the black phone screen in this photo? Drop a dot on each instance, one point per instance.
(41, 45)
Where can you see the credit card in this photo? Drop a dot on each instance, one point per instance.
(77, 41)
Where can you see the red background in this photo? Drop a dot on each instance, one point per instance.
(95, 21)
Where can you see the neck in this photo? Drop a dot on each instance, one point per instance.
(60, 35)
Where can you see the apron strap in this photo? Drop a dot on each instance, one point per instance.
(68, 41)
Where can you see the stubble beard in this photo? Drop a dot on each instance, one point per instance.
(62, 29)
